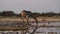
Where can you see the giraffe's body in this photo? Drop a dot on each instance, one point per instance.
(26, 14)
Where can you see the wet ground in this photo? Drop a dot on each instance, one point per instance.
(44, 27)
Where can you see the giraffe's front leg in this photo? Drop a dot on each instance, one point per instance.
(23, 19)
(27, 20)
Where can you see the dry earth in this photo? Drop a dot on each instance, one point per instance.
(31, 19)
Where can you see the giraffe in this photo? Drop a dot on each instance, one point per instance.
(27, 14)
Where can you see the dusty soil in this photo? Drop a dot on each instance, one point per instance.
(31, 19)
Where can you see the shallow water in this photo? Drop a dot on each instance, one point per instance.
(40, 30)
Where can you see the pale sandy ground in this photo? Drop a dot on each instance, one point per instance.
(39, 19)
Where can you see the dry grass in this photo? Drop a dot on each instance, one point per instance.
(48, 19)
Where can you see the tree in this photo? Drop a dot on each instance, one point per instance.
(8, 13)
(4, 13)
(36, 14)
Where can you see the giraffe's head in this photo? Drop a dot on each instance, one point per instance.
(23, 13)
